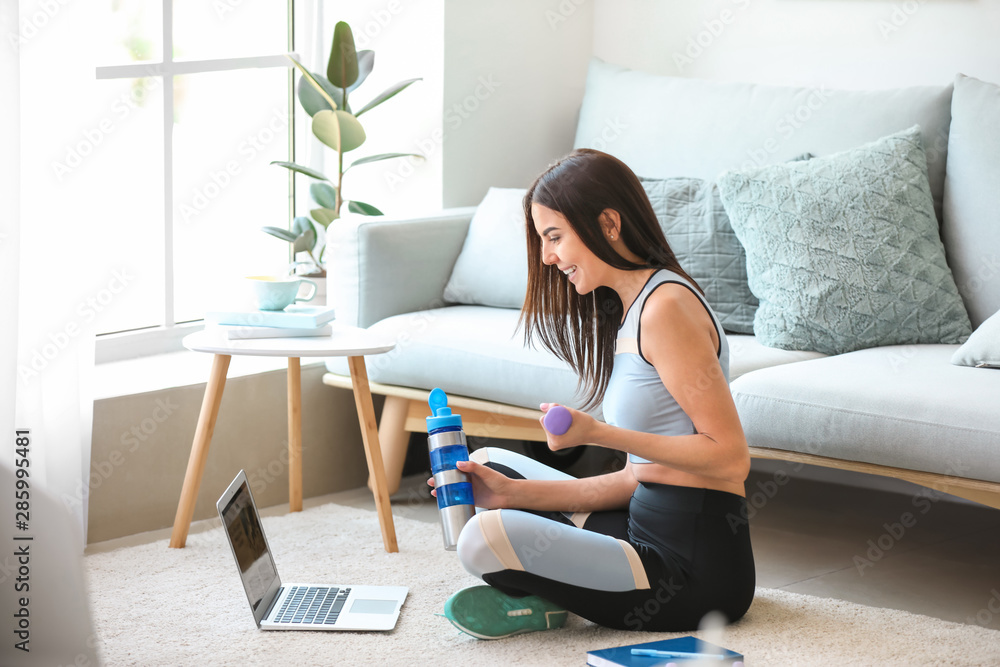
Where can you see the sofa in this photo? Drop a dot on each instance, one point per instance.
(849, 239)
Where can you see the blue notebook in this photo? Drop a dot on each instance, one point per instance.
(621, 656)
(295, 316)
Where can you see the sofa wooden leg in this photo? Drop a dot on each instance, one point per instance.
(394, 439)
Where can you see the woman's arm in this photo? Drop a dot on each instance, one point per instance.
(677, 340)
(494, 490)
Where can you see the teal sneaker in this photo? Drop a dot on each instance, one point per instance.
(486, 613)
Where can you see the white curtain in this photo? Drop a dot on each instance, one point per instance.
(47, 266)
(10, 185)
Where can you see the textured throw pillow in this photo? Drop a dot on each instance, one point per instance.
(492, 269)
(983, 347)
(697, 228)
(844, 252)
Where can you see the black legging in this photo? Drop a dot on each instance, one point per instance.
(693, 544)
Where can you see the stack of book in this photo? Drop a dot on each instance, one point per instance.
(294, 321)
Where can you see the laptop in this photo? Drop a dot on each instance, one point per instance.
(278, 606)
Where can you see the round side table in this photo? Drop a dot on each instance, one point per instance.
(344, 341)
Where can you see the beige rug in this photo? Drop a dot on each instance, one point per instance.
(158, 606)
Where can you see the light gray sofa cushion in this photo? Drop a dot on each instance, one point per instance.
(844, 252)
(458, 346)
(492, 269)
(697, 228)
(664, 126)
(902, 406)
(746, 354)
(471, 351)
(971, 225)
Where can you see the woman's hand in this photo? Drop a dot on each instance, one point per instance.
(578, 433)
(491, 489)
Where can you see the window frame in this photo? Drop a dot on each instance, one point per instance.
(166, 336)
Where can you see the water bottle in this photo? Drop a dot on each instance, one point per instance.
(447, 446)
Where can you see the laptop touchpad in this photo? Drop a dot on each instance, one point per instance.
(373, 607)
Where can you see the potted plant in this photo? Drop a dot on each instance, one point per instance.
(334, 123)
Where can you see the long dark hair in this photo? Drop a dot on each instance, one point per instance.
(581, 329)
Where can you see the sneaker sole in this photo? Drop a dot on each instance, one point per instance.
(486, 613)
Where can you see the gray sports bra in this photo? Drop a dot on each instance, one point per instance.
(636, 398)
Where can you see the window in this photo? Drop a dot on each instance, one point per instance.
(150, 128)
(202, 97)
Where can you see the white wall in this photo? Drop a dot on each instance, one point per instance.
(840, 43)
(514, 75)
(407, 38)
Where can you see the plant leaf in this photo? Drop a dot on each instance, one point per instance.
(342, 69)
(324, 216)
(363, 208)
(305, 241)
(338, 129)
(324, 194)
(366, 61)
(386, 94)
(311, 99)
(280, 233)
(300, 225)
(381, 156)
(316, 84)
(311, 173)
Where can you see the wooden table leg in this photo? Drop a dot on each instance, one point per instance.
(294, 435)
(393, 440)
(369, 435)
(199, 450)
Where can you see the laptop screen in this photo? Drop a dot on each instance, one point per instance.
(246, 535)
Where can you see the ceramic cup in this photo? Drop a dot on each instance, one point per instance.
(279, 292)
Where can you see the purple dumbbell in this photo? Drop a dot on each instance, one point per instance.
(558, 420)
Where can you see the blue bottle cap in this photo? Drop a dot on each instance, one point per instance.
(441, 416)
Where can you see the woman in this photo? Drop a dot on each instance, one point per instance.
(662, 542)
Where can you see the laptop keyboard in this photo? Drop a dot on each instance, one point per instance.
(312, 605)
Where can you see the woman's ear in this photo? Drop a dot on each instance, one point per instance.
(611, 223)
